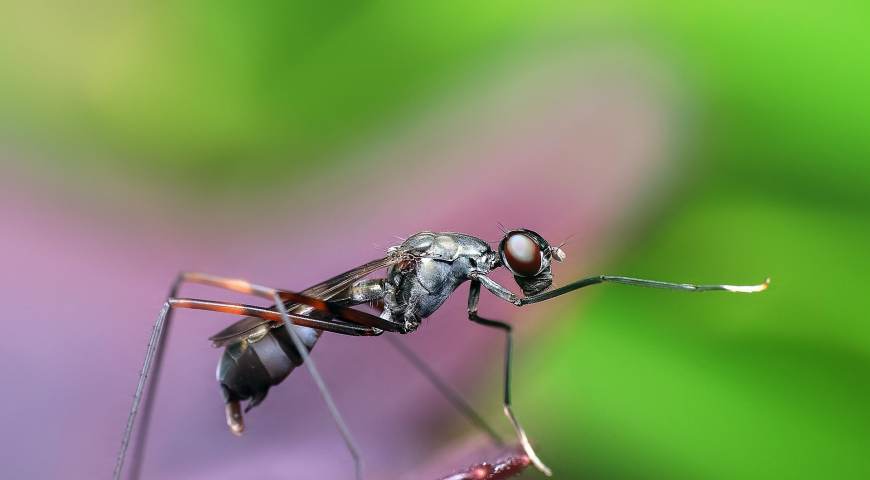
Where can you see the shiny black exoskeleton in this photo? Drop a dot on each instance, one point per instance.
(248, 369)
(421, 273)
(435, 264)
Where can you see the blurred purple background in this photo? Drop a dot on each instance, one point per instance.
(278, 142)
(562, 147)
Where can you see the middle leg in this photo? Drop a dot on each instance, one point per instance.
(368, 291)
(473, 300)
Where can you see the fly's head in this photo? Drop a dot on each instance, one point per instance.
(528, 256)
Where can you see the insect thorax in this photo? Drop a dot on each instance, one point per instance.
(438, 263)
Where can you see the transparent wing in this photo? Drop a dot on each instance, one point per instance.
(323, 290)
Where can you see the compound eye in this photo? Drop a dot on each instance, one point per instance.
(523, 255)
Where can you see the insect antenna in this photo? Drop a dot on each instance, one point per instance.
(566, 239)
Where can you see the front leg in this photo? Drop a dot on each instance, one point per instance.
(501, 292)
(496, 288)
(637, 282)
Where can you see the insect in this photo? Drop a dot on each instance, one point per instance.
(421, 273)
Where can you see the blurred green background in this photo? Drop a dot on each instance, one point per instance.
(632, 383)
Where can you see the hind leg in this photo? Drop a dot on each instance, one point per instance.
(154, 355)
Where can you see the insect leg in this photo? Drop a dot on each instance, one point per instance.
(299, 319)
(156, 347)
(505, 294)
(333, 409)
(238, 309)
(682, 287)
(473, 299)
(277, 296)
(365, 291)
(342, 328)
(243, 286)
(156, 336)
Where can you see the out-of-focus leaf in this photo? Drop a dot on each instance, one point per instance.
(653, 384)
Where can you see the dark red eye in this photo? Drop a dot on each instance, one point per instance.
(523, 255)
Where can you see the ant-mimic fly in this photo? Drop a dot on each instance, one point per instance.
(421, 273)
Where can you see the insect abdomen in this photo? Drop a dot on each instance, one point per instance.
(248, 369)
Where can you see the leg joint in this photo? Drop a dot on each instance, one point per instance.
(489, 323)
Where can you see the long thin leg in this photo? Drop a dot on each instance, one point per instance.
(243, 286)
(299, 319)
(148, 406)
(275, 295)
(333, 409)
(233, 308)
(143, 375)
(366, 291)
(452, 395)
(682, 287)
(473, 299)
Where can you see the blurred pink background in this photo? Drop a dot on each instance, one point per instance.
(564, 148)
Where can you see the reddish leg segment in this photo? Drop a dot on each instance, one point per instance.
(156, 345)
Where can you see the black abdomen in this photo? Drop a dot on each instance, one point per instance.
(248, 369)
